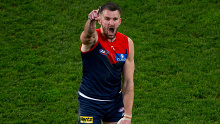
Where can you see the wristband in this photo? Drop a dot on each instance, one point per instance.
(127, 116)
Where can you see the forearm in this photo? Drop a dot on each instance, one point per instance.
(89, 33)
(90, 27)
(128, 97)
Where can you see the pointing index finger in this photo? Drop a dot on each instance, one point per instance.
(99, 9)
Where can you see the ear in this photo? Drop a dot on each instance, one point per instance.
(120, 21)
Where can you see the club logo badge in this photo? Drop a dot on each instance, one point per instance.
(122, 109)
(104, 52)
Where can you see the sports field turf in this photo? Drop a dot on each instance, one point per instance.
(177, 59)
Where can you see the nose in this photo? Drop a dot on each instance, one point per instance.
(111, 22)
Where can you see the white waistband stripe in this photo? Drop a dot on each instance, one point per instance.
(83, 95)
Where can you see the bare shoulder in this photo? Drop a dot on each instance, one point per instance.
(130, 42)
(131, 49)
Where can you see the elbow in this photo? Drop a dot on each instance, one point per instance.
(128, 84)
(84, 38)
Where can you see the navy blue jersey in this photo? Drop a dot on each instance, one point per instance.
(102, 67)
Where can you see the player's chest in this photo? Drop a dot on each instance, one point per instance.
(115, 52)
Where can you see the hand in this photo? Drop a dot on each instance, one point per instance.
(124, 121)
(94, 15)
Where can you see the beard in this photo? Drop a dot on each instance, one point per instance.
(110, 32)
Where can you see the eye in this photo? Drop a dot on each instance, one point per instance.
(107, 19)
(115, 19)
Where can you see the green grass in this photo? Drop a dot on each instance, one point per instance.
(177, 72)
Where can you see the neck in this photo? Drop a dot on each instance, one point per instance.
(111, 40)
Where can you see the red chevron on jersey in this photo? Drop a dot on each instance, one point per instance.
(116, 51)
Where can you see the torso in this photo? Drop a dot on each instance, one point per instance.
(102, 67)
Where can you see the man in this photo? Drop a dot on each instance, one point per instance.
(106, 54)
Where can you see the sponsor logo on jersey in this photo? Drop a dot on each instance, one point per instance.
(122, 109)
(104, 52)
(121, 57)
(86, 119)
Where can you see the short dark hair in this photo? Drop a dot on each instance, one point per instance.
(110, 6)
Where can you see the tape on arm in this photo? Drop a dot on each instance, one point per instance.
(126, 117)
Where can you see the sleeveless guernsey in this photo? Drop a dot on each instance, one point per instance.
(102, 67)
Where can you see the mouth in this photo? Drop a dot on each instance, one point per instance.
(111, 31)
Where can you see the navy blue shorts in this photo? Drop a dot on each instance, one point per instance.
(91, 111)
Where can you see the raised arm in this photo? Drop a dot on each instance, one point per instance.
(89, 36)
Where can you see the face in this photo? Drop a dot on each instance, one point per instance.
(110, 21)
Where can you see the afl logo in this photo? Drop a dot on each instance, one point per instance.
(104, 52)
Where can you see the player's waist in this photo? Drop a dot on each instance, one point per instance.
(87, 97)
(98, 99)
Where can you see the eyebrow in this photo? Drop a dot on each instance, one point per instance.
(106, 17)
